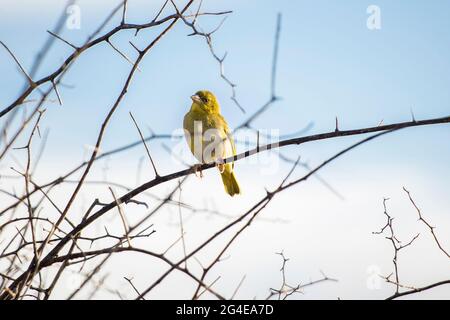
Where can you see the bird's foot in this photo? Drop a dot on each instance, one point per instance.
(198, 169)
(220, 165)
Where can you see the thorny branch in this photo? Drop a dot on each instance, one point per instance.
(287, 290)
(389, 231)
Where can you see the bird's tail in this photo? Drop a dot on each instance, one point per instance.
(230, 183)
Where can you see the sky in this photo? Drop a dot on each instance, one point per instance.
(330, 64)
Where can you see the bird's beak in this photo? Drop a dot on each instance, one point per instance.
(196, 98)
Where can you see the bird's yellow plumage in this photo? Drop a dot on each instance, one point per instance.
(209, 137)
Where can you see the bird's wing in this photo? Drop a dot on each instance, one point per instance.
(188, 131)
(230, 148)
(189, 134)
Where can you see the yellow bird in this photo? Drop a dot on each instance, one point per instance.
(209, 137)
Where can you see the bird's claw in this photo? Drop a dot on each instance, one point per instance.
(198, 169)
(220, 165)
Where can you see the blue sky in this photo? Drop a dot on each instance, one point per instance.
(330, 64)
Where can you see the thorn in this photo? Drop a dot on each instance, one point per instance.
(122, 55)
(136, 48)
(257, 140)
(57, 93)
(124, 11)
(224, 56)
(63, 40)
(413, 119)
(145, 145)
(31, 82)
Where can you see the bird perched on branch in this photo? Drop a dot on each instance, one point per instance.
(209, 137)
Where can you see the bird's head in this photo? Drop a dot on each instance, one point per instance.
(206, 101)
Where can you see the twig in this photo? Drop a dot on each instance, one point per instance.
(122, 216)
(132, 285)
(123, 55)
(237, 288)
(30, 81)
(426, 223)
(145, 145)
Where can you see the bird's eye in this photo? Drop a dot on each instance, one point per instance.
(205, 99)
